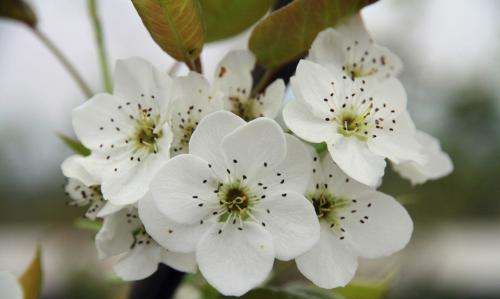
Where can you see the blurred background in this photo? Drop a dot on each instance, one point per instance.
(451, 51)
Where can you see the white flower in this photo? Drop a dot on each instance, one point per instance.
(356, 221)
(233, 77)
(239, 191)
(10, 288)
(130, 132)
(438, 162)
(350, 49)
(362, 122)
(123, 234)
(194, 99)
(83, 189)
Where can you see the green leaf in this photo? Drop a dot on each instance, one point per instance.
(225, 18)
(87, 224)
(18, 10)
(75, 145)
(287, 33)
(31, 280)
(175, 25)
(364, 290)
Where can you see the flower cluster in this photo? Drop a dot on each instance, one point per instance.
(199, 175)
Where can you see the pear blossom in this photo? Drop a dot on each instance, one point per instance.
(438, 162)
(362, 122)
(123, 234)
(233, 77)
(356, 221)
(239, 192)
(10, 288)
(133, 132)
(83, 188)
(350, 49)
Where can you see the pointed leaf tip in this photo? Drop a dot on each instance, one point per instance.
(176, 26)
(31, 280)
(75, 145)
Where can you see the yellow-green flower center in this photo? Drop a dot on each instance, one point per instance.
(236, 199)
(146, 134)
(351, 123)
(325, 204)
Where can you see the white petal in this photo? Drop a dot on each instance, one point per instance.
(72, 168)
(438, 162)
(235, 261)
(292, 222)
(139, 263)
(116, 233)
(269, 103)
(355, 29)
(184, 262)
(109, 209)
(299, 118)
(233, 75)
(171, 235)
(96, 121)
(293, 174)
(356, 160)
(134, 183)
(313, 84)
(388, 64)
(351, 45)
(183, 189)
(377, 225)
(254, 147)
(338, 182)
(9, 286)
(328, 49)
(124, 181)
(399, 145)
(137, 81)
(191, 87)
(330, 263)
(206, 140)
(193, 92)
(194, 100)
(389, 92)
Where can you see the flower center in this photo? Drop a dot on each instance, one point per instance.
(236, 200)
(325, 204)
(244, 109)
(357, 71)
(146, 136)
(352, 124)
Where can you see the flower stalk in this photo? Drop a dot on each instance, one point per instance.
(101, 47)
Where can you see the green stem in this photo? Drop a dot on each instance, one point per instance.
(64, 61)
(263, 82)
(101, 48)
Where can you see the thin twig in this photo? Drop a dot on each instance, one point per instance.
(101, 47)
(64, 61)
